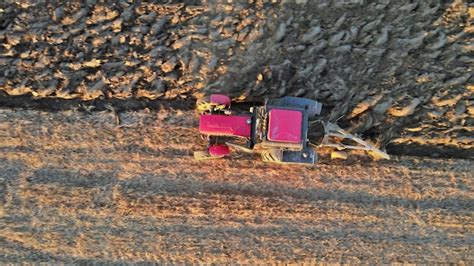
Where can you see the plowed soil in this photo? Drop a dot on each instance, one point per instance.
(396, 71)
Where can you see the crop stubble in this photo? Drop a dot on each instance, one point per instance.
(79, 187)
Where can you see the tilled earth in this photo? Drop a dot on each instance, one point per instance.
(94, 187)
(394, 71)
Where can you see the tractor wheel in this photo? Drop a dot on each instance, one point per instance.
(272, 156)
(202, 155)
(213, 102)
(214, 152)
(219, 151)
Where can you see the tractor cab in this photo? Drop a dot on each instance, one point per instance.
(284, 129)
(285, 125)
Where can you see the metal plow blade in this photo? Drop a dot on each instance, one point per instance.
(334, 137)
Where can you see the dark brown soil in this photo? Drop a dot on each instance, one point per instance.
(396, 71)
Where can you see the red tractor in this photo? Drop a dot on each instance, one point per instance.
(278, 130)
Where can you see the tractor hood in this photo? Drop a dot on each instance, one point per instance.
(225, 125)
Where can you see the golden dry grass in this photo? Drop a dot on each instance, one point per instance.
(77, 187)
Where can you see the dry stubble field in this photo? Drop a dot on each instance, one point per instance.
(78, 187)
(84, 177)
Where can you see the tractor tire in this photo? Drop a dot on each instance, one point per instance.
(202, 155)
(213, 154)
(206, 104)
(272, 156)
